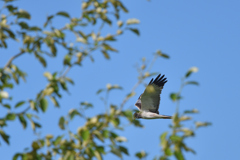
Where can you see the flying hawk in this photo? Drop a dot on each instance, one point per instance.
(149, 101)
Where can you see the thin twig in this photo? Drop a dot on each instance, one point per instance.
(24, 111)
(11, 59)
(127, 98)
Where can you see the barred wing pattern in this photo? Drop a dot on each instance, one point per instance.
(150, 99)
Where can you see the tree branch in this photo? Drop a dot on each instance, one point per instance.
(11, 59)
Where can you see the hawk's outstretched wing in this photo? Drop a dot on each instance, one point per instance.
(150, 99)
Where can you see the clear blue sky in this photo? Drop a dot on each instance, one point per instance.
(205, 34)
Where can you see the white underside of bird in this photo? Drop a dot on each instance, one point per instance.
(150, 115)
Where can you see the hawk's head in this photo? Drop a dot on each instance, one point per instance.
(137, 115)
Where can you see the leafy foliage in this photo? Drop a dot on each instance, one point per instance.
(98, 136)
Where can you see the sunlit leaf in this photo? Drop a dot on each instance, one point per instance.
(4, 94)
(97, 155)
(133, 21)
(141, 154)
(191, 70)
(202, 124)
(131, 94)
(48, 75)
(54, 101)
(121, 139)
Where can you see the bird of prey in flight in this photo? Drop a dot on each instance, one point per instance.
(149, 101)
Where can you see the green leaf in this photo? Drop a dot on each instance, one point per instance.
(43, 104)
(41, 59)
(108, 47)
(115, 122)
(54, 101)
(64, 14)
(48, 20)
(23, 25)
(122, 7)
(7, 106)
(191, 111)
(61, 123)
(116, 151)
(105, 133)
(57, 140)
(22, 120)
(86, 104)
(73, 112)
(100, 149)
(134, 30)
(202, 124)
(124, 150)
(35, 125)
(10, 33)
(11, 116)
(163, 136)
(23, 14)
(69, 80)
(175, 97)
(4, 136)
(141, 154)
(85, 134)
(178, 155)
(17, 155)
(162, 54)
(176, 138)
(34, 28)
(100, 90)
(106, 55)
(19, 104)
(192, 82)
(67, 60)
